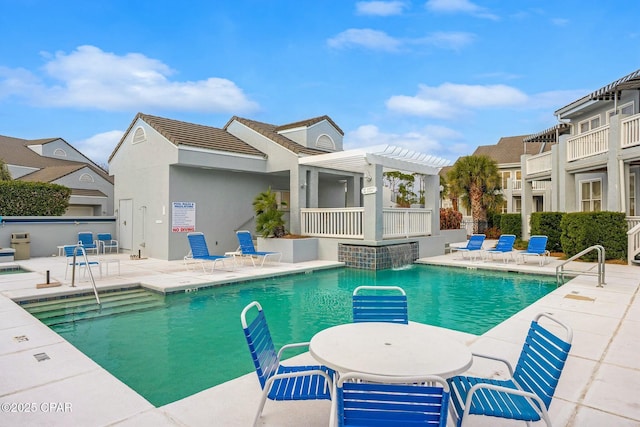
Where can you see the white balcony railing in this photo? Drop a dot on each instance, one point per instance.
(630, 133)
(536, 185)
(401, 222)
(588, 144)
(539, 163)
(346, 223)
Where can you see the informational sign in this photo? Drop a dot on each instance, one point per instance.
(369, 190)
(183, 217)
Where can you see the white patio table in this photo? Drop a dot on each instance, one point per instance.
(390, 349)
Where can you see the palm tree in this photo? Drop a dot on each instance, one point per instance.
(5, 175)
(476, 180)
(269, 218)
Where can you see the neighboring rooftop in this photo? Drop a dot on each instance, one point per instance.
(510, 148)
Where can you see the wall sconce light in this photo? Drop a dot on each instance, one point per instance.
(303, 185)
(367, 176)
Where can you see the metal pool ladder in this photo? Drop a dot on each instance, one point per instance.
(560, 270)
(88, 266)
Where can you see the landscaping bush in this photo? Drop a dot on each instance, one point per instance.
(20, 198)
(581, 230)
(511, 224)
(548, 224)
(450, 219)
(494, 220)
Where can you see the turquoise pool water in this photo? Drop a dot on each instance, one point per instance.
(194, 341)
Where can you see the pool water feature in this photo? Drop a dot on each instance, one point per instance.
(187, 342)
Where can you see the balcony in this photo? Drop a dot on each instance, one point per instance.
(540, 163)
(630, 132)
(346, 223)
(588, 144)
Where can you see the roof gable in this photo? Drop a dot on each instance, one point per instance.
(510, 148)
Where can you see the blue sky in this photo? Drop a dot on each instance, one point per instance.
(437, 76)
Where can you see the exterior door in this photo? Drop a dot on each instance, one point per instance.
(125, 223)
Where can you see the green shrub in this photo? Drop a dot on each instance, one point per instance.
(20, 198)
(450, 219)
(511, 224)
(548, 224)
(493, 220)
(581, 230)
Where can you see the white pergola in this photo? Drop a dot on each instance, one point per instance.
(371, 163)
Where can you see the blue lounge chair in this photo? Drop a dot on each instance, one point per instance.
(525, 396)
(504, 247)
(373, 400)
(85, 238)
(473, 247)
(280, 382)
(200, 251)
(106, 241)
(380, 307)
(81, 261)
(537, 247)
(248, 250)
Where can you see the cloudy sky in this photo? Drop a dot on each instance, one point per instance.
(437, 76)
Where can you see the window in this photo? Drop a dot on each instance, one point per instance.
(517, 205)
(503, 207)
(283, 198)
(139, 136)
(589, 124)
(506, 176)
(623, 109)
(591, 196)
(632, 194)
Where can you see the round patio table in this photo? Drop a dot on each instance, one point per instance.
(390, 349)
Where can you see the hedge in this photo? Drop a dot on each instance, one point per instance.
(20, 198)
(548, 224)
(581, 230)
(511, 224)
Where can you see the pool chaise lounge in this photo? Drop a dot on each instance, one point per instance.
(248, 250)
(504, 248)
(473, 247)
(200, 252)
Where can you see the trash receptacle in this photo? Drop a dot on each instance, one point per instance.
(21, 242)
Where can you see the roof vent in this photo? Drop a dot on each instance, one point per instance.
(139, 135)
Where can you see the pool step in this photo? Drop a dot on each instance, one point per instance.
(81, 308)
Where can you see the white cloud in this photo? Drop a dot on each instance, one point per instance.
(433, 140)
(380, 8)
(367, 38)
(379, 40)
(459, 6)
(91, 78)
(449, 100)
(100, 146)
(560, 22)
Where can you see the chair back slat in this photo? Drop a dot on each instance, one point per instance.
(85, 238)
(505, 243)
(541, 362)
(475, 242)
(362, 402)
(246, 242)
(380, 307)
(198, 245)
(537, 245)
(261, 347)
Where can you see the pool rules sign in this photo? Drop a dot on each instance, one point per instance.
(183, 217)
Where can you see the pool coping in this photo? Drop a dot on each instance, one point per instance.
(100, 399)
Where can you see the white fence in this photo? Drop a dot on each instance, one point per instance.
(631, 131)
(346, 223)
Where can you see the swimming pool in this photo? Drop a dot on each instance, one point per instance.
(193, 341)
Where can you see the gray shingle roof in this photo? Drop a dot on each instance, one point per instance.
(509, 149)
(271, 132)
(309, 122)
(16, 151)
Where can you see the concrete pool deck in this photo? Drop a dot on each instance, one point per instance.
(600, 384)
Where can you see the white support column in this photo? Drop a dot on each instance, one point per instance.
(298, 197)
(432, 201)
(372, 221)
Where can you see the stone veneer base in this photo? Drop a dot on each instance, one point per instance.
(376, 257)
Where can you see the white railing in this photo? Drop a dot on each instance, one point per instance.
(346, 223)
(632, 221)
(339, 222)
(633, 243)
(539, 163)
(630, 131)
(588, 144)
(401, 222)
(536, 185)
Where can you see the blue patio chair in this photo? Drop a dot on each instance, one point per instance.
(504, 248)
(200, 252)
(82, 261)
(248, 250)
(280, 382)
(85, 238)
(106, 241)
(537, 248)
(380, 307)
(473, 247)
(525, 396)
(373, 400)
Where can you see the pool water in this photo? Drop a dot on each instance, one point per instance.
(194, 340)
